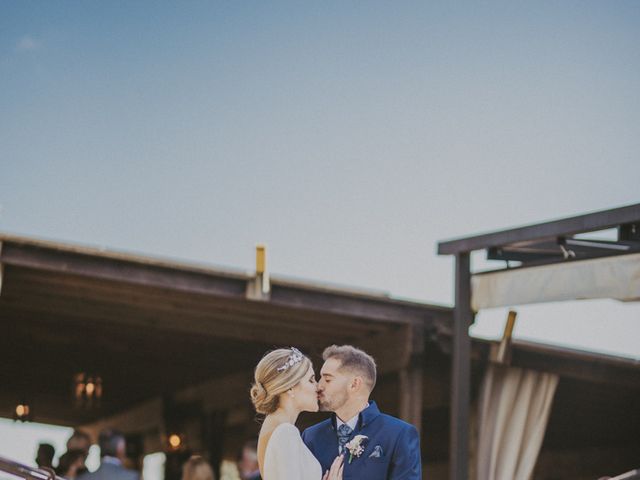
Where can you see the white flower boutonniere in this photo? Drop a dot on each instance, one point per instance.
(356, 446)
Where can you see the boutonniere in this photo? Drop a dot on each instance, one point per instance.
(356, 446)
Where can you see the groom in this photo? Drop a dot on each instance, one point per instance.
(376, 446)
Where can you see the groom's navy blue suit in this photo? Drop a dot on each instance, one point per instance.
(392, 451)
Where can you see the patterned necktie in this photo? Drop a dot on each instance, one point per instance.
(344, 432)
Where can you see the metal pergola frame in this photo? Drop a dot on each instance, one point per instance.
(539, 244)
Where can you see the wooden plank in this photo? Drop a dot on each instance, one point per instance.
(128, 272)
(373, 309)
(601, 370)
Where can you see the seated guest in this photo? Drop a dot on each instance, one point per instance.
(70, 464)
(197, 468)
(248, 461)
(44, 457)
(112, 453)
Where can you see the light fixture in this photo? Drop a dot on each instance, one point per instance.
(23, 412)
(175, 441)
(87, 390)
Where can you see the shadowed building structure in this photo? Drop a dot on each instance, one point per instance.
(173, 346)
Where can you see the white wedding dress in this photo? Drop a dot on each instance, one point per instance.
(288, 458)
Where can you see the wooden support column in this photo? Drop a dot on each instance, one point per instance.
(1, 268)
(460, 372)
(411, 376)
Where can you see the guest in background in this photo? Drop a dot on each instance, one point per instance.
(70, 464)
(44, 457)
(197, 468)
(248, 461)
(112, 453)
(80, 441)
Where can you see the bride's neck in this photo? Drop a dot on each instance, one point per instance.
(285, 414)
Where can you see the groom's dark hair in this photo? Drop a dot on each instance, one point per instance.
(353, 359)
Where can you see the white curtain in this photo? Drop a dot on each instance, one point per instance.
(513, 412)
(612, 277)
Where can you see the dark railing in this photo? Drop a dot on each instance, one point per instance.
(23, 471)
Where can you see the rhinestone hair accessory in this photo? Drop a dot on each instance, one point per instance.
(295, 357)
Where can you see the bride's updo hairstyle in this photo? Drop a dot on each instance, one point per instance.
(277, 372)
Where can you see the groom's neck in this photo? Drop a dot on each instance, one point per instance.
(351, 409)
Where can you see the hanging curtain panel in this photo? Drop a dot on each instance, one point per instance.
(513, 412)
(612, 277)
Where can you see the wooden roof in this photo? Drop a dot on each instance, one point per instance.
(149, 326)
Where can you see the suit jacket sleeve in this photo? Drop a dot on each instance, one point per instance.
(306, 439)
(406, 463)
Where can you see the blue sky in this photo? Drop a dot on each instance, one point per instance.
(348, 136)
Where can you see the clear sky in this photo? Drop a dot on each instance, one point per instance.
(348, 136)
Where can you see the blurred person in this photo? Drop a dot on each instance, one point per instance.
(112, 454)
(80, 441)
(70, 464)
(197, 468)
(248, 461)
(44, 457)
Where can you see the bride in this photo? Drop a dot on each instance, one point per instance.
(285, 385)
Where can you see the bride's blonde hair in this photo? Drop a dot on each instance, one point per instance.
(277, 372)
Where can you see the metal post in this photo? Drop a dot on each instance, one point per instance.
(460, 372)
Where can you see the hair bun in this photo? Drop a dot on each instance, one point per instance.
(258, 392)
(262, 401)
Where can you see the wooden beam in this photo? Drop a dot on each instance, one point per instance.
(590, 367)
(373, 308)
(548, 230)
(105, 268)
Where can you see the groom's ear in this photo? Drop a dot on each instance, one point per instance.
(356, 383)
